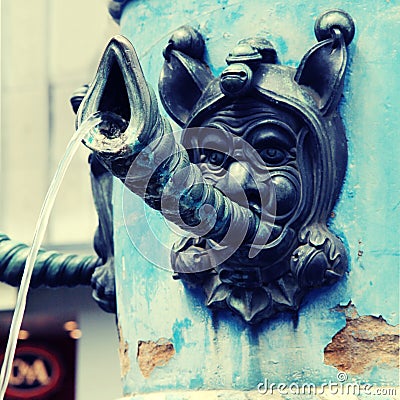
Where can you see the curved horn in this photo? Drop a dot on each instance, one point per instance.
(184, 75)
(323, 67)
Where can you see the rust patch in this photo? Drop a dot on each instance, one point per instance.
(125, 362)
(365, 341)
(153, 354)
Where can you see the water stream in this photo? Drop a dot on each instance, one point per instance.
(96, 121)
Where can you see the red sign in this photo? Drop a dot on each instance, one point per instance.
(36, 373)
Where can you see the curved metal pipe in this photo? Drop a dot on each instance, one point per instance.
(143, 153)
(51, 268)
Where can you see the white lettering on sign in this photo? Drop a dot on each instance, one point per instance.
(24, 373)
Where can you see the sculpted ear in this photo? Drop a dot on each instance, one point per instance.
(323, 68)
(184, 75)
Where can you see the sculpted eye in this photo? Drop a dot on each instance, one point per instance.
(273, 156)
(274, 142)
(214, 157)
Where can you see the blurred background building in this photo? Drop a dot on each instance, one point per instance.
(48, 49)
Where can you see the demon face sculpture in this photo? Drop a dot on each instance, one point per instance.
(259, 168)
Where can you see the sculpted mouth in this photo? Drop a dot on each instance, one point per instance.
(112, 90)
(121, 97)
(114, 96)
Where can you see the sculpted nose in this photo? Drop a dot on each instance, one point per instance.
(241, 173)
(239, 184)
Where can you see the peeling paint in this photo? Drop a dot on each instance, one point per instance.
(179, 333)
(124, 359)
(154, 354)
(366, 341)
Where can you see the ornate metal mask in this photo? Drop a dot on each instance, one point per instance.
(263, 145)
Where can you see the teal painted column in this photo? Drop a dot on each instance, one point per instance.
(172, 345)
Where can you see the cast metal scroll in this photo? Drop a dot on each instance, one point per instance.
(263, 146)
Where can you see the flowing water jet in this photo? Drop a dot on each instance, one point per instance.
(103, 122)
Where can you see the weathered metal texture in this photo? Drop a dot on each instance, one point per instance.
(218, 351)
